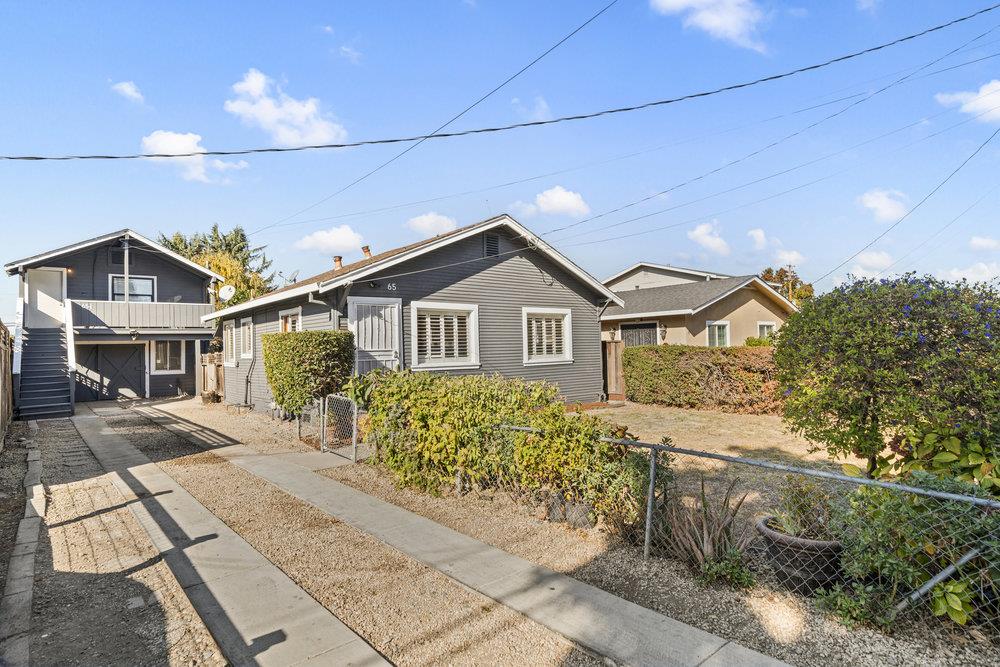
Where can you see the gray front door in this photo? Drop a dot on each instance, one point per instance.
(376, 327)
(110, 372)
(639, 334)
(43, 302)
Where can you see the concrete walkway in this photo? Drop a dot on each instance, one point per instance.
(593, 618)
(256, 614)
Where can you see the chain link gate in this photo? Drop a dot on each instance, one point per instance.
(331, 424)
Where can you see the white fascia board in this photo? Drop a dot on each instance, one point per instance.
(636, 316)
(505, 221)
(14, 267)
(663, 267)
(261, 301)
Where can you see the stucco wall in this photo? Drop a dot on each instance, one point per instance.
(646, 277)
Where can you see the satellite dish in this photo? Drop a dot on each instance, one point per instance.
(226, 292)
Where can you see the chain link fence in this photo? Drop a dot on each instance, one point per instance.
(331, 424)
(925, 554)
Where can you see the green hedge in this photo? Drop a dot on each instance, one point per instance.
(303, 365)
(733, 379)
(433, 430)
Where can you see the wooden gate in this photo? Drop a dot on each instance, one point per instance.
(211, 377)
(614, 377)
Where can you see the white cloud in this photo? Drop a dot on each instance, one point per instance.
(336, 240)
(984, 243)
(759, 238)
(885, 205)
(351, 54)
(538, 110)
(194, 167)
(290, 122)
(793, 257)
(734, 21)
(984, 101)
(707, 236)
(867, 5)
(874, 260)
(129, 91)
(431, 224)
(979, 271)
(554, 201)
(328, 29)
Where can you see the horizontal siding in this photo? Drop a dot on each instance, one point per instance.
(175, 385)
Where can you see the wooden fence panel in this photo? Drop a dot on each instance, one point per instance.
(614, 376)
(6, 380)
(212, 379)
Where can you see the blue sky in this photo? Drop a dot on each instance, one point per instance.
(128, 77)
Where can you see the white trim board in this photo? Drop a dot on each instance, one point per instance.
(243, 352)
(567, 356)
(471, 309)
(112, 276)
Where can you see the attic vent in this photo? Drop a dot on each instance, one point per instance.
(491, 245)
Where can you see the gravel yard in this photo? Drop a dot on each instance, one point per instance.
(102, 595)
(412, 614)
(13, 465)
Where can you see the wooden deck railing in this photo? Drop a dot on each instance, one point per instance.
(139, 315)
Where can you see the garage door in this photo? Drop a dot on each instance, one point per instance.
(110, 372)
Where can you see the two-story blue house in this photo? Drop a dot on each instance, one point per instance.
(117, 316)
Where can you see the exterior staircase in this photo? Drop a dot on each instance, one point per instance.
(45, 381)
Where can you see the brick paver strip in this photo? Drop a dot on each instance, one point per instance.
(256, 613)
(593, 618)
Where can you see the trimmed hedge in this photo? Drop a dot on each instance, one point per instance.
(433, 431)
(732, 379)
(303, 365)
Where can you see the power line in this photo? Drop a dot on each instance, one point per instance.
(908, 213)
(537, 123)
(448, 122)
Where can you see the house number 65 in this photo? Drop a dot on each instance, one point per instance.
(391, 287)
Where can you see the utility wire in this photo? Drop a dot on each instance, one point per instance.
(447, 123)
(537, 123)
(908, 213)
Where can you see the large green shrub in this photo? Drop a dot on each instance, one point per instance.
(873, 358)
(304, 365)
(433, 430)
(734, 379)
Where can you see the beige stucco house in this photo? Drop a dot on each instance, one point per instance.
(667, 304)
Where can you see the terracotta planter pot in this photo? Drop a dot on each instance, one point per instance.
(801, 564)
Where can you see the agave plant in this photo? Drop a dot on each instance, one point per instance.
(706, 531)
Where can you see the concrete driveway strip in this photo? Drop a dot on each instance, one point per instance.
(593, 618)
(256, 614)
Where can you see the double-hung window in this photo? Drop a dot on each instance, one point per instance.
(765, 329)
(290, 320)
(718, 333)
(229, 342)
(168, 357)
(547, 335)
(246, 338)
(444, 335)
(140, 288)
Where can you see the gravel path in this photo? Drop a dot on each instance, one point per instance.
(770, 621)
(413, 614)
(102, 594)
(13, 465)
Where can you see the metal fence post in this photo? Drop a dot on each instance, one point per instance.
(650, 496)
(354, 431)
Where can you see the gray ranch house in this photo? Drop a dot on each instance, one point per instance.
(113, 317)
(486, 298)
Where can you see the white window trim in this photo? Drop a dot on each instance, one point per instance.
(729, 332)
(152, 358)
(228, 360)
(470, 308)
(246, 354)
(112, 276)
(762, 322)
(567, 357)
(291, 311)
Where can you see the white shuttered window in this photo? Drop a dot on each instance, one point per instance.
(444, 335)
(548, 335)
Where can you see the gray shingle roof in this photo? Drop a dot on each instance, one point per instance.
(688, 296)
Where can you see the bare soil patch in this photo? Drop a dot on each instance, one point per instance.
(102, 594)
(411, 613)
(13, 465)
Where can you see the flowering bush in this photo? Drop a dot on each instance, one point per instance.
(872, 359)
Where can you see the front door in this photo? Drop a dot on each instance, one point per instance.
(43, 303)
(376, 327)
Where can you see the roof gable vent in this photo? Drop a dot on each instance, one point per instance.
(491, 245)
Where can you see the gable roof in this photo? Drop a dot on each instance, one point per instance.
(686, 299)
(334, 278)
(17, 265)
(666, 267)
